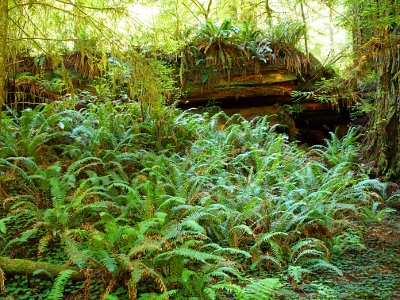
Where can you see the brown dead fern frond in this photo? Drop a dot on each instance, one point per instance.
(86, 284)
(2, 285)
(110, 287)
(158, 281)
(132, 289)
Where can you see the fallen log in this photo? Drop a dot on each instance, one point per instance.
(24, 266)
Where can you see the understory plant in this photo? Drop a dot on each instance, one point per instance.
(177, 205)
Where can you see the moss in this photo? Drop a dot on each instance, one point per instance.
(24, 266)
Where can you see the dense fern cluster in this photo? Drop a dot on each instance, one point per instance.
(226, 50)
(177, 205)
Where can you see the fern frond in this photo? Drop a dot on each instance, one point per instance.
(24, 237)
(192, 225)
(227, 251)
(225, 272)
(241, 227)
(193, 255)
(109, 262)
(148, 245)
(176, 265)
(111, 297)
(75, 168)
(13, 166)
(57, 290)
(171, 201)
(266, 238)
(307, 252)
(264, 289)
(316, 264)
(43, 242)
(231, 288)
(307, 244)
(141, 271)
(267, 258)
(368, 184)
(21, 204)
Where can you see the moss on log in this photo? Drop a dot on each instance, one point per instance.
(24, 266)
(196, 94)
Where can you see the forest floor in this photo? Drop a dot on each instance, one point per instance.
(369, 273)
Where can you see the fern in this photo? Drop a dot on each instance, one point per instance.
(225, 272)
(43, 242)
(57, 290)
(3, 226)
(230, 288)
(224, 250)
(262, 289)
(265, 258)
(110, 297)
(75, 168)
(297, 273)
(141, 271)
(316, 264)
(24, 237)
(176, 264)
(306, 244)
(267, 238)
(21, 172)
(193, 255)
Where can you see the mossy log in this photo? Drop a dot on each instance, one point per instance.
(272, 83)
(24, 266)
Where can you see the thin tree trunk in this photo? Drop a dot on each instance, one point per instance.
(268, 12)
(78, 25)
(331, 35)
(3, 54)
(303, 16)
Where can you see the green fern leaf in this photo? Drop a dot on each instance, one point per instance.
(266, 238)
(57, 290)
(262, 289)
(194, 255)
(24, 237)
(230, 288)
(319, 263)
(265, 258)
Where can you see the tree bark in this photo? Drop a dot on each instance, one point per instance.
(384, 131)
(24, 266)
(380, 40)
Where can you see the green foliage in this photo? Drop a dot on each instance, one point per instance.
(262, 289)
(287, 33)
(177, 205)
(57, 290)
(338, 150)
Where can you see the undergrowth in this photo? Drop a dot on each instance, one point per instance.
(177, 205)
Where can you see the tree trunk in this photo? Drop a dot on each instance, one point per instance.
(303, 17)
(383, 134)
(380, 47)
(23, 266)
(3, 54)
